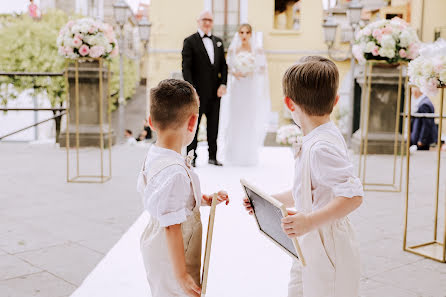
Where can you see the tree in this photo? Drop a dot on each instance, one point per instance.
(30, 46)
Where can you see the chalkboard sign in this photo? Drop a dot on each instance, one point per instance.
(268, 213)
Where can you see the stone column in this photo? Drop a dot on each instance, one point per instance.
(89, 120)
(383, 104)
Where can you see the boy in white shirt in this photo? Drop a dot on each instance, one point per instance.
(325, 189)
(171, 242)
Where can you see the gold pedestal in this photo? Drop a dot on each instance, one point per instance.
(101, 177)
(435, 249)
(395, 185)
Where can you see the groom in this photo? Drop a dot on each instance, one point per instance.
(204, 66)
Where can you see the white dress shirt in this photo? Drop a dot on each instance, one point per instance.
(168, 196)
(331, 170)
(208, 44)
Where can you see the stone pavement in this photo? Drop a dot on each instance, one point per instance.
(52, 234)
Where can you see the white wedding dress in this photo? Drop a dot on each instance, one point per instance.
(244, 109)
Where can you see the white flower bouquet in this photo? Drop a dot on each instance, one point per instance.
(428, 71)
(87, 38)
(390, 40)
(244, 63)
(288, 134)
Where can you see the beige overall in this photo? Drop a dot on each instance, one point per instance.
(331, 251)
(159, 268)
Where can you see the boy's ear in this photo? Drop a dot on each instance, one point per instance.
(192, 122)
(151, 124)
(289, 103)
(336, 100)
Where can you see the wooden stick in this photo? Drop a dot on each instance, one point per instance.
(207, 253)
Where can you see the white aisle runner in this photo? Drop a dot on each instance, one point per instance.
(121, 272)
(243, 262)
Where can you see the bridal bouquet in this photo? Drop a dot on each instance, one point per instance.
(390, 40)
(288, 134)
(87, 38)
(428, 71)
(244, 63)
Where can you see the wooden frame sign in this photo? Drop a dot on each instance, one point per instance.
(268, 213)
(207, 252)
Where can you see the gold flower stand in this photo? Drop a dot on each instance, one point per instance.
(434, 249)
(102, 176)
(395, 184)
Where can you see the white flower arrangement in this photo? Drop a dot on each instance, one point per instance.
(87, 38)
(428, 71)
(390, 40)
(288, 134)
(244, 63)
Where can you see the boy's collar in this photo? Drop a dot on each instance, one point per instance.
(315, 130)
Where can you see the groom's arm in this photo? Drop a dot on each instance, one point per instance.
(224, 70)
(187, 54)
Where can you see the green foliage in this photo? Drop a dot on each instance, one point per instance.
(131, 79)
(27, 45)
(30, 46)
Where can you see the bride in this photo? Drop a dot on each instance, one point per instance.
(245, 108)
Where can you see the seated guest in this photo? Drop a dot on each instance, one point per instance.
(424, 129)
(129, 136)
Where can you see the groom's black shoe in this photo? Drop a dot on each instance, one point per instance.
(215, 162)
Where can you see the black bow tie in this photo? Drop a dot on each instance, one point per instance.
(207, 36)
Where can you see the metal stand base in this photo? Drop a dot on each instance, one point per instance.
(432, 250)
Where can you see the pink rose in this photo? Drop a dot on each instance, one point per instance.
(97, 51)
(84, 50)
(110, 35)
(70, 24)
(387, 30)
(403, 53)
(375, 51)
(77, 42)
(79, 36)
(68, 50)
(92, 29)
(413, 51)
(377, 34)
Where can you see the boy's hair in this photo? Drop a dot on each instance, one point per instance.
(312, 84)
(172, 102)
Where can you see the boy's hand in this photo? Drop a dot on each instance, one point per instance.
(248, 206)
(221, 197)
(296, 224)
(189, 286)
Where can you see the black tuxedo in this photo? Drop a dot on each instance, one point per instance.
(206, 78)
